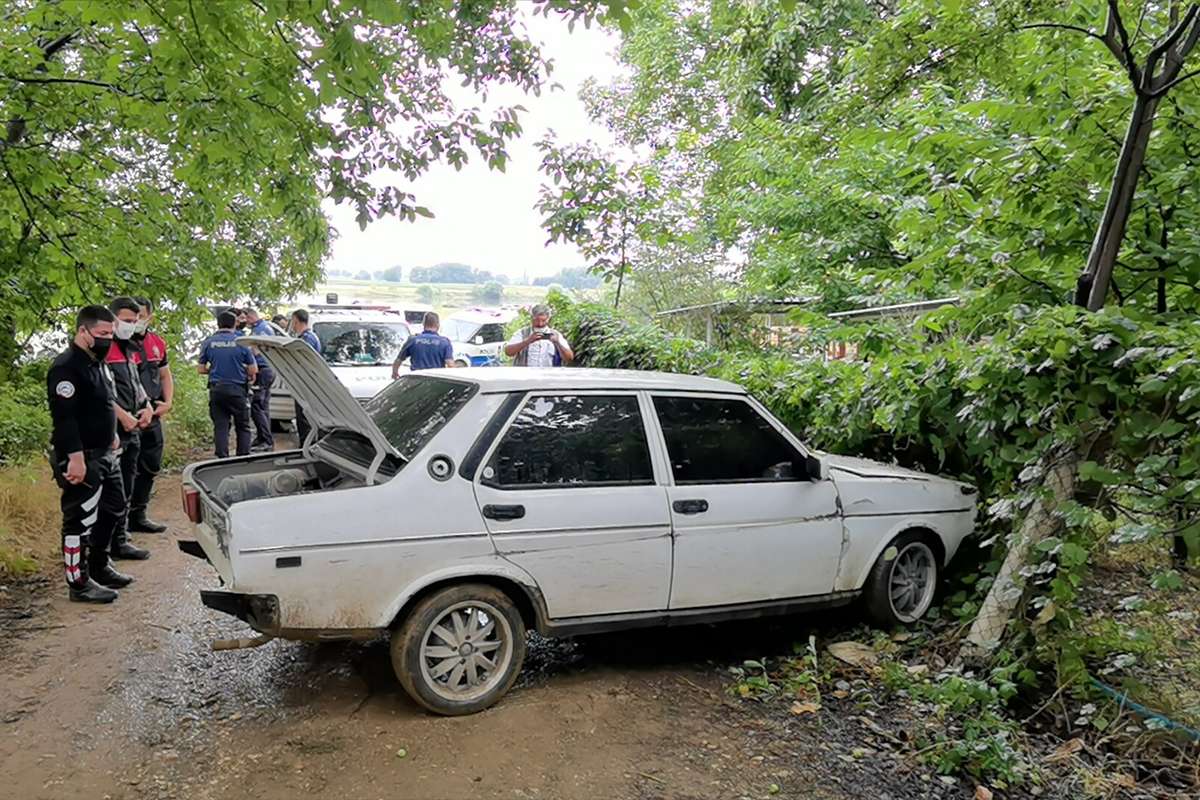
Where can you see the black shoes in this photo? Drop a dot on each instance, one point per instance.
(143, 524)
(129, 552)
(92, 592)
(110, 578)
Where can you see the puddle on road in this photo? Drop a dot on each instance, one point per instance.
(176, 691)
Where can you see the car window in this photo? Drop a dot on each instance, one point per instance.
(459, 330)
(411, 410)
(564, 441)
(715, 440)
(347, 342)
(492, 333)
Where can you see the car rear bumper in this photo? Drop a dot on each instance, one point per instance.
(259, 611)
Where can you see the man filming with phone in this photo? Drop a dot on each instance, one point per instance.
(539, 345)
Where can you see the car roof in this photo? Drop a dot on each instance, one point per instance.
(484, 315)
(523, 379)
(352, 315)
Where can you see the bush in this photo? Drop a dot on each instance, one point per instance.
(188, 426)
(24, 414)
(983, 397)
(491, 292)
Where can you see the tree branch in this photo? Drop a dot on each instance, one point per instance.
(1137, 32)
(1176, 82)
(1060, 26)
(1116, 38)
(1166, 44)
(81, 81)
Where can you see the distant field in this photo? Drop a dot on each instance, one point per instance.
(447, 297)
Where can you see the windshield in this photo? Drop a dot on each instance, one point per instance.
(356, 343)
(413, 409)
(459, 330)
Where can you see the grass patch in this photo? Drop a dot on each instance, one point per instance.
(30, 523)
(1141, 632)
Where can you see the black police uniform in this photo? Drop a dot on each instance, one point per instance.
(228, 389)
(80, 391)
(153, 351)
(124, 363)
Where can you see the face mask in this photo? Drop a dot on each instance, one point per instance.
(100, 346)
(139, 327)
(124, 330)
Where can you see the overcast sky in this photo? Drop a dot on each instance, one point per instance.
(482, 217)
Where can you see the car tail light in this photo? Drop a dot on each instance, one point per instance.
(191, 503)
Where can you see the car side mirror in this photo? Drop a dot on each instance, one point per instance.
(812, 468)
(477, 340)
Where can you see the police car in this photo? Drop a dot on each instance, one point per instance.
(359, 343)
(478, 335)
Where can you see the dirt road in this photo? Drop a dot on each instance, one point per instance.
(127, 701)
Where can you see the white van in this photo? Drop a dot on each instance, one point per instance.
(478, 335)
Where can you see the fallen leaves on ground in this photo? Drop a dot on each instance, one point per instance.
(855, 654)
(1065, 751)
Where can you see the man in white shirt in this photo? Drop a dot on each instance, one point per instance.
(539, 345)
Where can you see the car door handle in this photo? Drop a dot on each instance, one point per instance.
(504, 512)
(690, 506)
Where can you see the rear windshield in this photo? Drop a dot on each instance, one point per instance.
(413, 409)
(354, 343)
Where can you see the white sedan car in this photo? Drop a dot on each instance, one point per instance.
(460, 508)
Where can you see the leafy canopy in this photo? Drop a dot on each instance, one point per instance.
(181, 149)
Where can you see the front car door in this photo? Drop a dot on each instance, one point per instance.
(568, 492)
(748, 527)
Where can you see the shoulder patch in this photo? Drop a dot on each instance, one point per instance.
(65, 389)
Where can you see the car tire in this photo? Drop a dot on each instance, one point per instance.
(900, 589)
(442, 651)
(460, 363)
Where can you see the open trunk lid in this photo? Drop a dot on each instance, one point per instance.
(327, 404)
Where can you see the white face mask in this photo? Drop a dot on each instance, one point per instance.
(140, 326)
(124, 329)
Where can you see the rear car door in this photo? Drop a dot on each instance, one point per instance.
(748, 525)
(568, 493)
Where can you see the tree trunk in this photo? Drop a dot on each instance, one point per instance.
(1094, 283)
(1059, 468)
(620, 275)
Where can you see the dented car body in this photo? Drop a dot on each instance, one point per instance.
(572, 500)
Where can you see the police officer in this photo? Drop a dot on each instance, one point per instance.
(260, 403)
(302, 331)
(84, 457)
(133, 409)
(230, 368)
(427, 350)
(160, 389)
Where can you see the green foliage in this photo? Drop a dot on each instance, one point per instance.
(943, 397)
(491, 293)
(180, 150)
(570, 278)
(796, 677)
(974, 734)
(24, 415)
(426, 294)
(450, 272)
(188, 426)
(858, 153)
(392, 274)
